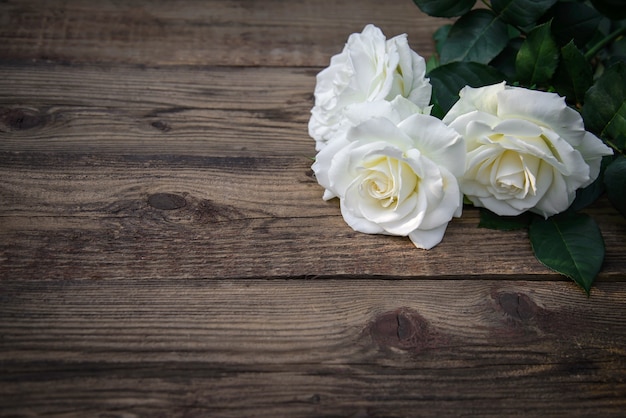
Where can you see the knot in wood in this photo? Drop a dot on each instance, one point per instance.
(166, 201)
(517, 306)
(161, 126)
(402, 328)
(12, 119)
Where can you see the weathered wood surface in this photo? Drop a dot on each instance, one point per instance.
(161, 348)
(238, 172)
(164, 249)
(196, 32)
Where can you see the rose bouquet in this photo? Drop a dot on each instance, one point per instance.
(521, 112)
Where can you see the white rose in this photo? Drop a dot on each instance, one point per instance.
(369, 68)
(526, 149)
(395, 175)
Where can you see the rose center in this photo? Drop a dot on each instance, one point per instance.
(514, 176)
(387, 181)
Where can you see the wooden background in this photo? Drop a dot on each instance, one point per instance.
(165, 251)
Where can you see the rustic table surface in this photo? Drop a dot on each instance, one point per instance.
(165, 250)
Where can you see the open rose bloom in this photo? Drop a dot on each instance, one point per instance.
(526, 150)
(370, 68)
(392, 165)
(399, 171)
(395, 175)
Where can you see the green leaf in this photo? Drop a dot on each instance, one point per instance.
(505, 62)
(604, 111)
(521, 12)
(588, 195)
(598, 49)
(478, 36)
(571, 244)
(574, 74)
(447, 80)
(445, 8)
(591, 193)
(437, 111)
(440, 37)
(432, 63)
(617, 49)
(490, 220)
(538, 56)
(574, 21)
(615, 181)
(619, 144)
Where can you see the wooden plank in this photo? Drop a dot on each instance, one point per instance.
(194, 32)
(98, 216)
(153, 154)
(82, 179)
(172, 347)
(131, 110)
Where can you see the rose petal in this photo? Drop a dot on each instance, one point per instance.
(408, 217)
(396, 110)
(327, 170)
(507, 176)
(543, 180)
(438, 142)
(369, 68)
(483, 99)
(379, 130)
(360, 224)
(517, 128)
(412, 83)
(444, 207)
(556, 199)
(592, 150)
(546, 109)
(427, 239)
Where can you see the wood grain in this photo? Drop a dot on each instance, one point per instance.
(165, 251)
(79, 174)
(150, 216)
(196, 32)
(194, 111)
(311, 348)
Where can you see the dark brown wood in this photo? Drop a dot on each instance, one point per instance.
(143, 216)
(165, 251)
(197, 32)
(240, 170)
(219, 112)
(195, 347)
